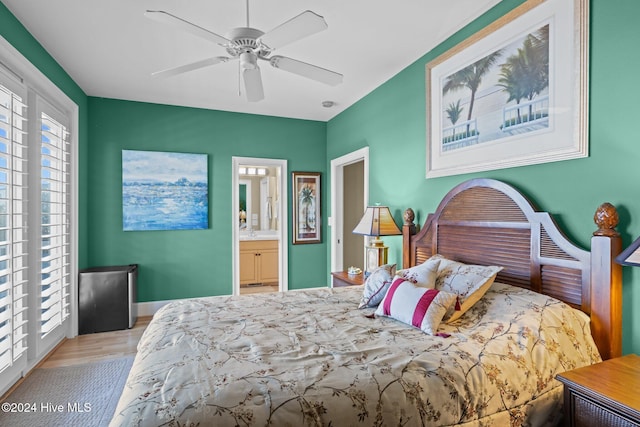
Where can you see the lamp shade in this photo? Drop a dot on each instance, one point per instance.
(377, 221)
(631, 255)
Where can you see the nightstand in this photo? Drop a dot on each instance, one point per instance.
(341, 278)
(604, 394)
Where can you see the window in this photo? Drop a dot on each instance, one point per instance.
(38, 251)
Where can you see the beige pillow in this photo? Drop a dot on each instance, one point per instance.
(423, 275)
(468, 282)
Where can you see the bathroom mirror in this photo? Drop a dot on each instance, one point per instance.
(258, 198)
(244, 199)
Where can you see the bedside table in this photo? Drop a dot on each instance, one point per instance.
(341, 278)
(604, 394)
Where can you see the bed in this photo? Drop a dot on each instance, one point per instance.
(312, 358)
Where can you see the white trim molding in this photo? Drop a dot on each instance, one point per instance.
(337, 181)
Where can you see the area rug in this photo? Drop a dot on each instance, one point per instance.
(81, 395)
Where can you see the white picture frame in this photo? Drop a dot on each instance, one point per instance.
(552, 130)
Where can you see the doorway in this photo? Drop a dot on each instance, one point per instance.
(353, 207)
(259, 216)
(349, 198)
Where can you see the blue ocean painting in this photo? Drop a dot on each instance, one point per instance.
(164, 191)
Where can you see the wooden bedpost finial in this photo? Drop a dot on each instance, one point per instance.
(408, 230)
(606, 218)
(409, 216)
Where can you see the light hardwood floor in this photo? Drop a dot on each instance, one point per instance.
(92, 348)
(95, 347)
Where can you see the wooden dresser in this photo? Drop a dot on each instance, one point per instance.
(604, 394)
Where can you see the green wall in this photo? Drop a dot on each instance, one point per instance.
(391, 121)
(191, 263)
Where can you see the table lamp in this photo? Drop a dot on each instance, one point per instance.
(377, 221)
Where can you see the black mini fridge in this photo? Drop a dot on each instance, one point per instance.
(106, 297)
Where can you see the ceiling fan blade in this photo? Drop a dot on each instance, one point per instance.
(306, 70)
(296, 28)
(190, 67)
(167, 18)
(253, 84)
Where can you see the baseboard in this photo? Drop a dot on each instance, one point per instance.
(144, 309)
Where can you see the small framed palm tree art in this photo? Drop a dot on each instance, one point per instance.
(306, 208)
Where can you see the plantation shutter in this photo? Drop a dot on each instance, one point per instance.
(13, 223)
(55, 251)
(38, 200)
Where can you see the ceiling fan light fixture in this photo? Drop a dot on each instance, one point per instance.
(248, 61)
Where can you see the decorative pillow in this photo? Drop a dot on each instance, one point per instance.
(376, 285)
(421, 307)
(423, 275)
(468, 282)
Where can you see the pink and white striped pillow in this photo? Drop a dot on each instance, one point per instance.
(421, 307)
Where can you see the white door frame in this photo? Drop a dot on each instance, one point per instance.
(283, 209)
(337, 190)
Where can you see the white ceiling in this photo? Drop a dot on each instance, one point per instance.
(110, 49)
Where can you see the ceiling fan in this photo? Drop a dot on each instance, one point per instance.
(248, 45)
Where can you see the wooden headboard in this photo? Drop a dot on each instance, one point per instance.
(488, 222)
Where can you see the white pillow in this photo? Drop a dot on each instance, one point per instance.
(423, 275)
(376, 285)
(417, 306)
(468, 282)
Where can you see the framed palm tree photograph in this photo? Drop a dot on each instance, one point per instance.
(306, 208)
(513, 94)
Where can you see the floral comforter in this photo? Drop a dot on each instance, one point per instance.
(310, 358)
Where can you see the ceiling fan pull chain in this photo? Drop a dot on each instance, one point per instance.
(239, 80)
